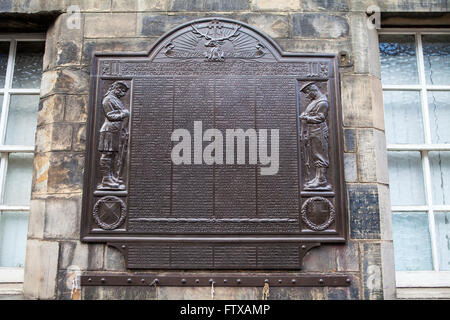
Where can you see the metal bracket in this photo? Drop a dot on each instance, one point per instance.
(344, 59)
(226, 280)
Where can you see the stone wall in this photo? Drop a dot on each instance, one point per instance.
(318, 26)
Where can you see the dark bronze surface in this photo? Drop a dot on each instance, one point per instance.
(221, 216)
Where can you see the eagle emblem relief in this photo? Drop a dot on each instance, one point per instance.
(214, 41)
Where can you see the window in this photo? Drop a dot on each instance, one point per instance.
(20, 76)
(415, 73)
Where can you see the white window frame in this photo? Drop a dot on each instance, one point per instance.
(11, 278)
(434, 278)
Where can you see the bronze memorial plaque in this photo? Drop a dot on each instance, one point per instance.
(214, 150)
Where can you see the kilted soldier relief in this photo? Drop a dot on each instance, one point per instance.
(113, 137)
(314, 138)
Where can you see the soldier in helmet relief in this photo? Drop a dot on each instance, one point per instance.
(314, 137)
(113, 137)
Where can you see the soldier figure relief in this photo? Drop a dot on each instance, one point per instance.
(314, 138)
(113, 137)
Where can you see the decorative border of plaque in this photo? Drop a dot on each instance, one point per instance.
(286, 223)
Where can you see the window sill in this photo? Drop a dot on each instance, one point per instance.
(11, 289)
(11, 275)
(422, 279)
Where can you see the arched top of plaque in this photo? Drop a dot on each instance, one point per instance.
(216, 39)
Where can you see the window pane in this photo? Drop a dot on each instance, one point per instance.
(412, 246)
(439, 106)
(442, 220)
(440, 177)
(436, 56)
(403, 117)
(28, 64)
(398, 59)
(18, 179)
(22, 120)
(406, 178)
(4, 53)
(13, 238)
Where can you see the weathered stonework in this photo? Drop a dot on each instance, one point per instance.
(317, 26)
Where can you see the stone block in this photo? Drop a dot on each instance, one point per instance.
(36, 219)
(49, 58)
(156, 25)
(61, 136)
(295, 293)
(110, 25)
(44, 138)
(6, 6)
(345, 293)
(139, 5)
(276, 26)
(349, 140)
(366, 156)
(34, 6)
(65, 173)
(208, 5)
(40, 173)
(372, 156)
(325, 5)
(402, 5)
(319, 25)
(62, 218)
(372, 272)
(361, 107)
(113, 45)
(322, 259)
(68, 53)
(279, 5)
(76, 108)
(385, 212)
(51, 109)
(350, 167)
(89, 5)
(128, 293)
(377, 104)
(67, 27)
(388, 270)
(66, 80)
(64, 285)
(204, 293)
(381, 156)
(347, 257)
(364, 209)
(79, 137)
(81, 255)
(92, 293)
(114, 259)
(41, 269)
(63, 42)
(224, 293)
(365, 45)
(315, 46)
(54, 136)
